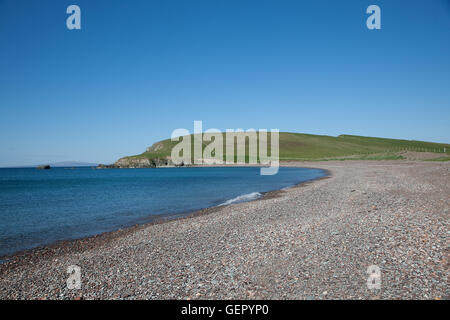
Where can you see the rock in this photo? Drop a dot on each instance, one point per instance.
(141, 162)
(138, 162)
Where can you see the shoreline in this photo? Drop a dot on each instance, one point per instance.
(312, 241)
(152, 219)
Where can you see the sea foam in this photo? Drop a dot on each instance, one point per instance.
(243, 198)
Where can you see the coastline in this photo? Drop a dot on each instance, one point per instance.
(311, 241)
(61, 245)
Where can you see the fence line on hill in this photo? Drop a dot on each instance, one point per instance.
(414, 149)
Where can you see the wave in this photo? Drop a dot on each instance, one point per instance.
(243, 198)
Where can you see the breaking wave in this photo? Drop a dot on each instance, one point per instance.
(243, 198)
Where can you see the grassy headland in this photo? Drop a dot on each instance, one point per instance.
(309, 147)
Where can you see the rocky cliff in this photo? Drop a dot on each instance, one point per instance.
(139, 163)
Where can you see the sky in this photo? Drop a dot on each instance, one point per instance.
(138, 70)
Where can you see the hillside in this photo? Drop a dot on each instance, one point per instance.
(299, 146)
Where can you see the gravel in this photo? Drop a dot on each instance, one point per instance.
(312, 241)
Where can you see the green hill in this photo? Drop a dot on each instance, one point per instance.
(299, 146)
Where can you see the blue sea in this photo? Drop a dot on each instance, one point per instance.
(39, 207)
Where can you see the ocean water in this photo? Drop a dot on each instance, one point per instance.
(39, 207)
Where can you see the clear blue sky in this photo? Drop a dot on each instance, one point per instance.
(137, 70)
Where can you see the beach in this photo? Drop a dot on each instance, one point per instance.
(312, 241)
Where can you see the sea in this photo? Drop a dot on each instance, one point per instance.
(41, 207)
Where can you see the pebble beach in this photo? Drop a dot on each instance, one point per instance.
(312, 241)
